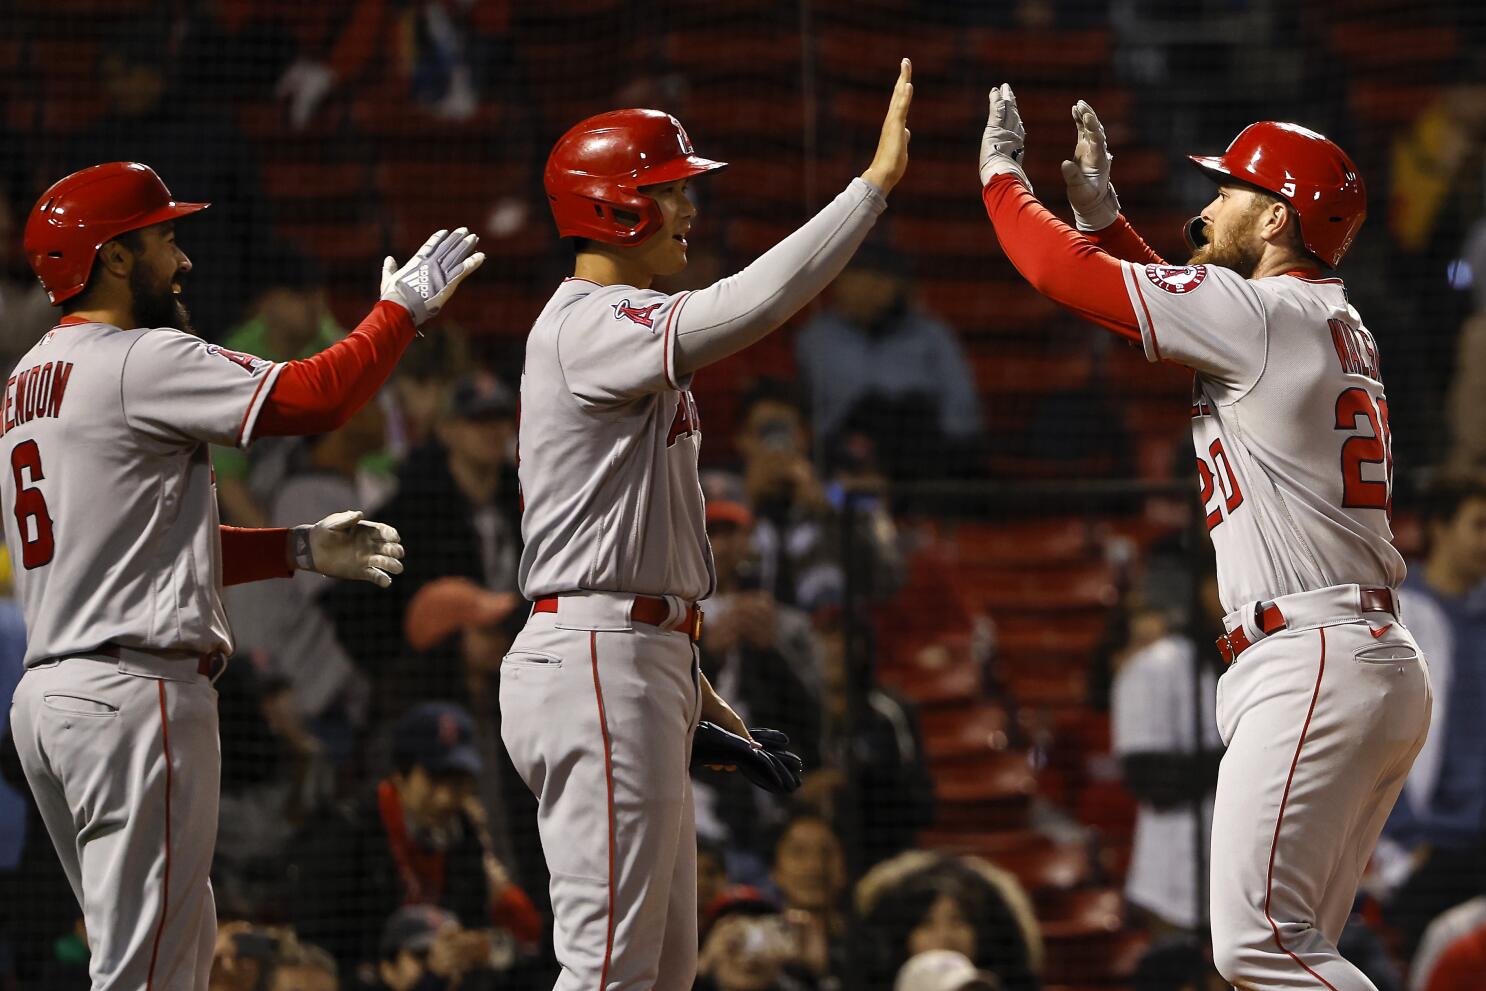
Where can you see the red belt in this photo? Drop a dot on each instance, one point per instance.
(648, 609)
(1269, 620)
(207, 665)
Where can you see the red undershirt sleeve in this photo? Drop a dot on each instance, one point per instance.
(1057, 260)
(1121, 240)
(319, 394)
(254, 555)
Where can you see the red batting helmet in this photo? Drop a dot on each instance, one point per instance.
(596, 170)
(1306, 170)
(74, 218)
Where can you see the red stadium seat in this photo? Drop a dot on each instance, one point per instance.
(1044, 56)
(1056, 589)
(1045, 541)
(992, 777)
(1093, 957)
(1060, 867)
(1066, 914)
(964, 730)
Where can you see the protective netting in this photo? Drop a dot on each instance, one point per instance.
(959, 561)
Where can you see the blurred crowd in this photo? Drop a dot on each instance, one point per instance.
(373, 833)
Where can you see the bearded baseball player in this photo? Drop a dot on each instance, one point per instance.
(601, 692)
(111, 517)
(1326, 698)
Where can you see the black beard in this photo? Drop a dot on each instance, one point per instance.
(157, 306)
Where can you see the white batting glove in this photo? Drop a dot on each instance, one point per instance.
(429, 278)
(343, 545)
(1095, 205)
(1003, 144)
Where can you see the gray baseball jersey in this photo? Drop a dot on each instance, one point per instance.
(609, 434)
(609, 446)
(111, 505)
(1290, 424)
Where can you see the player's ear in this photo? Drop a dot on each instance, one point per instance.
(116, 258)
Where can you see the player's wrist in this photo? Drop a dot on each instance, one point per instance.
(299, 548)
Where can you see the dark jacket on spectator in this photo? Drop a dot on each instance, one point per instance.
(346, 882)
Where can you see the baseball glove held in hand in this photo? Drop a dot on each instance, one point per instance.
(770, 765)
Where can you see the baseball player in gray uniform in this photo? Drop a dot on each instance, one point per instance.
(111, 518)
(601, 691)
(1326, 699)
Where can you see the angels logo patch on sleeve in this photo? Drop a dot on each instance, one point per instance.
(642, 315)
(1176, 279)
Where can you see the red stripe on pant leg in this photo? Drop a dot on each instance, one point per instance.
(165, 895)
(1284, 799)
(598, 692)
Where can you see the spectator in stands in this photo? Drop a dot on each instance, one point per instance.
(275, 777)
(876, 363)
(1440, 819)
(418, 840)
(196, 148)
(1436, 187)
(810, 874)
(445, 58)
(41, 931)
(1467, 427)
(944, 970)
(424, 948)
(440, 632)
(920, 902)
(1177, 963)
(1452, 954)
(263, 958)
(883, 758)
(712, 877)
(288, 320)
(762, 655)
(796, 532)
(1156, 710)
(25, 311)
(282, 622)
(457, 502)
(749, 947)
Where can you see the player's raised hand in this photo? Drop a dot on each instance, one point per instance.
(343, 545)
(891, 159)
(1004, 142)
(425, 283)
(1090, 192)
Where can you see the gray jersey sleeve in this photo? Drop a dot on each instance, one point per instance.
(177, 388)
(731, 314)
(644, 342)
(620, 344)
(1206, 317)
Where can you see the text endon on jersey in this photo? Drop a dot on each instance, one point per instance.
(36, 392)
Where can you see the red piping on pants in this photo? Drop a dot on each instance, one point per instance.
(598, 692)
(1269, 877)
(165, 895)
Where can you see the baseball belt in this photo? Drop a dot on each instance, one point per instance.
(1269, 619)
(648, 609)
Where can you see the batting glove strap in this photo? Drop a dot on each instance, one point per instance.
(770, 765)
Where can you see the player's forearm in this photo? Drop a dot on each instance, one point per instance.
(1058, 261)
(254, 555)
(319, 394)
(728, 316)
(1124, 242)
